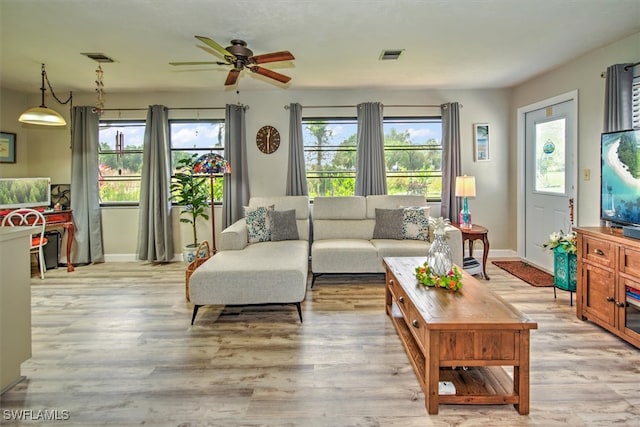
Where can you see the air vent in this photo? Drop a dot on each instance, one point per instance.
(98, 57)
(391, 54)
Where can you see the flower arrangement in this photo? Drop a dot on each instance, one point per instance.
(562, 240)
(452, 280)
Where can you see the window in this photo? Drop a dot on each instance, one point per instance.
(189, 137)
(120, 161)
(635, 101)
(121, 154)
(413, 155)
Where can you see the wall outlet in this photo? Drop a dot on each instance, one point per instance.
(586, 174)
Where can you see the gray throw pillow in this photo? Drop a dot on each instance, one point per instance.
(283, 225)
(388, 224)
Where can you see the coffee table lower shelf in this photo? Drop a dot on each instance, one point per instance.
(475, 385)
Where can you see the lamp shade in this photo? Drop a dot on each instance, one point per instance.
(42, 116)
(211, 164)
(465, 186)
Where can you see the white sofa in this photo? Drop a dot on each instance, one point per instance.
(268, 272)
(343, 235)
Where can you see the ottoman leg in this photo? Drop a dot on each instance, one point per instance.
(195, 311)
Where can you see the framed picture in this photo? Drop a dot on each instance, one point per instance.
(7, 147)
(481, 142)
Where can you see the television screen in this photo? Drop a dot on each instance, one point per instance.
(24, 193)
(620, 177)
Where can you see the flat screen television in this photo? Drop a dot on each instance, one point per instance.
(620, 177)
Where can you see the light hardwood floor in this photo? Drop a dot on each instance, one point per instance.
(113, 345)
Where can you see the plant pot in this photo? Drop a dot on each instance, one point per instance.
(564, 269)
(189, 252)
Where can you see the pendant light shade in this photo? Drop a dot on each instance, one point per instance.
(42, 115)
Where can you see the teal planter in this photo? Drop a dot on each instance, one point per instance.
(565, 266)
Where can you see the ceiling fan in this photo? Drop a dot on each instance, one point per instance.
(240, 57)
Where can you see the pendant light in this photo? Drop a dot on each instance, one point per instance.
(42, 115)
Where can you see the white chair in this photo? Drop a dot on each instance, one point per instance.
(30, 217)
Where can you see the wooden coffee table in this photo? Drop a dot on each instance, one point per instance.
(465, 337)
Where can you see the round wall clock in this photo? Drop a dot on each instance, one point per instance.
(268, 139)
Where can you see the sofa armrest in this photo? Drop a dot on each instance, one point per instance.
(234, 237)
(454, 240)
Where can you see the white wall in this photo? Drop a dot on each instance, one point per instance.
(583, 75)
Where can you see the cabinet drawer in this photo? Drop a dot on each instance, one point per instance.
(630, 261)
(598, 252)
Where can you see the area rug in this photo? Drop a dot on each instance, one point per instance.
(530, 274)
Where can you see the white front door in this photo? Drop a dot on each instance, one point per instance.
(549, 180)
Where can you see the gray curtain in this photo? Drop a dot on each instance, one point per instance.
(371, 177)
(296, 173)
(451, 168)
(85, 195)
(618, 98)
(155, 230)
(236, 183)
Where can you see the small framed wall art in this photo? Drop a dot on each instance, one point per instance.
(7, 147)
(481, 142)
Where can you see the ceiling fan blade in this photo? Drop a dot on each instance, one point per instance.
(232, 77)
(215, 46)
(199, 63)
(284, 55)
(271, 74)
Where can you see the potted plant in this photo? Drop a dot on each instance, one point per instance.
(188, 191)
(564, 247)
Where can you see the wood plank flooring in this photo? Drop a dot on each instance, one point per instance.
(113, 346)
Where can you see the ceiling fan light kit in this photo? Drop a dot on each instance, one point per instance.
(239, 56)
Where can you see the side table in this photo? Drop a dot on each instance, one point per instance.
(476, 232)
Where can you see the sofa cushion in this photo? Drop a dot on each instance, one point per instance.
(258, 224)
(283, 225)
(337, 208)
(389, 224)
(415, 223)
(394, 201)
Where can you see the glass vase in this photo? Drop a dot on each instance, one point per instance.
(439, 256)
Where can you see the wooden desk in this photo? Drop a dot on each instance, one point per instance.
(444, 331)
(62, 219)
(476, 232)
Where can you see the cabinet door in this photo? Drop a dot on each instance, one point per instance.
(598, 298)
(630, 310)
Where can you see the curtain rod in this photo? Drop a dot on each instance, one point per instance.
(178, 108)
(286, 107)
(631, 66)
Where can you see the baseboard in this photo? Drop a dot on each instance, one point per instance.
(133, 258)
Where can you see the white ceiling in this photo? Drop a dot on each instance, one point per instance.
(449, 44)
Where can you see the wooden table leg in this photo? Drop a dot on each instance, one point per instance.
(485, 255)
(521, 374)
(432, 372)
(70, 235)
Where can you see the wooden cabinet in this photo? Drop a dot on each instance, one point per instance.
(608, 289)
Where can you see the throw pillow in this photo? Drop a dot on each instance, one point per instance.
(415, 223)
(258, 224)
(283, 225)
(388, 224)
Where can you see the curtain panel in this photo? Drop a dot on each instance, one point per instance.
(155, 229)
(451, 164)
(618, 98)
(236, 184)
(85, 193)
(371, 176)
(296, 171)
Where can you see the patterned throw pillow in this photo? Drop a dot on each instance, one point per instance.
(258, 224)
(415, 223)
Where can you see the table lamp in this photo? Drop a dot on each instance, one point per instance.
(465, 187)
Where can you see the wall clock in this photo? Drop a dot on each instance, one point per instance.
(268, 139)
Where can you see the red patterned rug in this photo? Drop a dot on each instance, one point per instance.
(530, 274)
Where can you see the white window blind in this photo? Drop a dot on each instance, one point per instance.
(635, 102)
